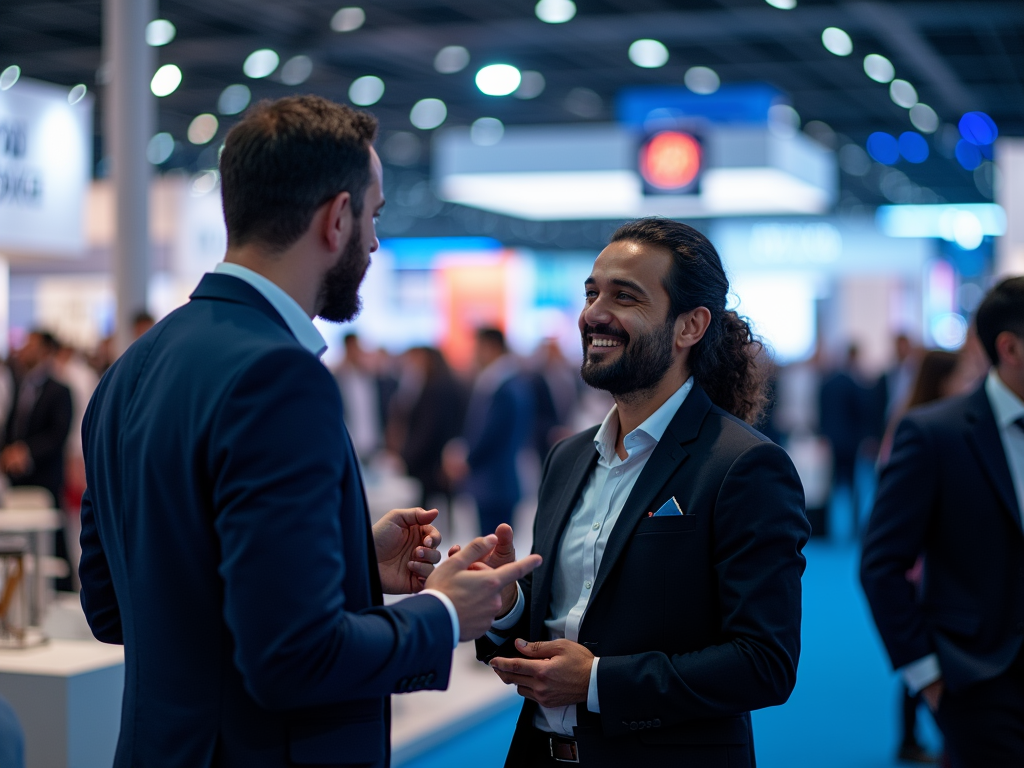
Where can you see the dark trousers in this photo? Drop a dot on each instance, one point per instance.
(530, 748)
(983, 724)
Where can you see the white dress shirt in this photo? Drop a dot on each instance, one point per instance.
(301, 326)
(1007, 409)
(586, 535)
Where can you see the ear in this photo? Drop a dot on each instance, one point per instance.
(1010, 349)
(691, 326)
(337, 222)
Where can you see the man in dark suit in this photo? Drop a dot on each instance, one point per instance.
(954, 490)
(668, 604)
(225, 536)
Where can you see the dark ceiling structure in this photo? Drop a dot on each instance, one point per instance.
(960, 55)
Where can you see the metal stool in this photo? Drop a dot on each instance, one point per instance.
(13, 592)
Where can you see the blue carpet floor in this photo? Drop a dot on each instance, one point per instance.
(843, 713)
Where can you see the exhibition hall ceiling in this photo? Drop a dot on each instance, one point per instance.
(957, 56)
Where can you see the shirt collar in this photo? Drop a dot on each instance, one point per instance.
(648, 433)
(1006, 406)
(295, 318)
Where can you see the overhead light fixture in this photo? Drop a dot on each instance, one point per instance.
(261, 63)
(785, 5)
(649, 54)
(498, 79)
(902, 93)
(160, 32)
(202, 129)
(366, 90)
(427, 114)
(837, 41)
(555, 11)
(296, 70)
(9, 77)
(702, 80)
(76, 94)
(233, 99)
(348, 19)
(165, 81)
(879, 68)
(924, 118)
(451, 59)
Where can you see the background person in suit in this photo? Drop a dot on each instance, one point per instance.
(225, 536)
(954, 490)
(646, 640)
(37, 429)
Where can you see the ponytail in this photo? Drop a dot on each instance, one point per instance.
(730, 363)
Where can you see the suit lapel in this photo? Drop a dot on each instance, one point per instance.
(667, 457)
(547, 545)
(983, 437)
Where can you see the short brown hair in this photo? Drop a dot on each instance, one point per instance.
(285, 159)
(1002, 309)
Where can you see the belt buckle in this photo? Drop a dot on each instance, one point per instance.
(563, 750)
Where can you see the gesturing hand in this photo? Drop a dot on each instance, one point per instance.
(502, 554)
(406, 546)
(474, 588)
(555, 674)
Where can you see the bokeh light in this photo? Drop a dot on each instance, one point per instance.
(913, 147)
(883, 148)
(531, 86)
(978, 128)
(77, 93)
(702, 80)
(160, 148)
(233, 99)
(486, 132)
(427, 114)
(296, 70)
(879, 68)
(785, 5)
(160, 32)
(261, 63)
(202, 129)
(451, 59)
(366, 90)
(902, 93)
(968, 155)
(165, 81)
(837, 41)
(9, 77)
(348, 19)
(498, 79)
(555, 11)
(649, 54)
(670, 160)
(924, 118)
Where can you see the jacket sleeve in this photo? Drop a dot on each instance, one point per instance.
(279, 482)
(50, 440)
(759, 531)
(98, 598)
(895, 538)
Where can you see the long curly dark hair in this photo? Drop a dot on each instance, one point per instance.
(730, 363)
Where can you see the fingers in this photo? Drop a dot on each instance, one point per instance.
(427, 555)
(453, 550)
(477, 549)
(421, 569)
(504, 547)
(538, 649)
(414, 516)
(525, 668)
(515, 571)
(431, 536)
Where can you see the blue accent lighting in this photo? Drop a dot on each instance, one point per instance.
(978, 128)
(883, 148)
(969, 155)
(913, 147)
(649, 108)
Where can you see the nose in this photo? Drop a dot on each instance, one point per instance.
(595, 313)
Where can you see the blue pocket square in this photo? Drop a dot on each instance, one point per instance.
(670, 507)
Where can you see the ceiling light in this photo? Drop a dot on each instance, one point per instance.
(498, 79)
(883, 148)
(924, 118)
(366, 90)
(555, 11)
(451, 59)
(486, 132)
(261, 63)
(202, 129)
(648, 54)
(348, 19)
(879, 68)
(427, 114)
(296, 70)
(531, 86)
(233, 99)
(786, 5)
(837, 41)
(160, 148)
(9, 77)
(903, 93)
(76, 94)
(166, 80)
(913, 147)
(702, 80)
(160, 32)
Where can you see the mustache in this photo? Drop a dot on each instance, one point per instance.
(605, 330)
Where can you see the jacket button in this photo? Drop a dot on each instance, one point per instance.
(633, 726)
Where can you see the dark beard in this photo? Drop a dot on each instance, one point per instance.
(339, 299)
(642, 365)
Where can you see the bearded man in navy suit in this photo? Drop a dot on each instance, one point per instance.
(225, 535)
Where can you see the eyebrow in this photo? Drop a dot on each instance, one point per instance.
(622, 283)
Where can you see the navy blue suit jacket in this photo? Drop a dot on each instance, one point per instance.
(226, 544)
(497, 426)
(947, 493)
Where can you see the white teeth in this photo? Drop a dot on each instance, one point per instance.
(605, 343)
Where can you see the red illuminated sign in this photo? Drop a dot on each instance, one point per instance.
(670, 160)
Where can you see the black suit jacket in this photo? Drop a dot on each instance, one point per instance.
(947, 492)
(696, 618)
(45, 435)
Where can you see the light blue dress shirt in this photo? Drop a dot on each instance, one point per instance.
(301, 326)
(1007, 409)
(586, 535)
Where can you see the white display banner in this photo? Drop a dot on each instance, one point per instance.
(45, 168)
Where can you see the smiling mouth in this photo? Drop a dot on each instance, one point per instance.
(605, 342)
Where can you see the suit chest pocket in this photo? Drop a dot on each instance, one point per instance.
(667, 524)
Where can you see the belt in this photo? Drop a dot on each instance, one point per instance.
(563, 750)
